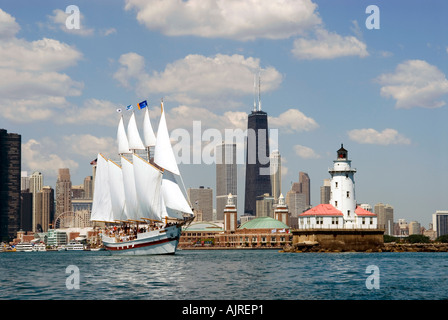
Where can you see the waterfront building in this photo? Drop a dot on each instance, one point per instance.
(258, 178)
(56, 238)
(63, 192)
(276, 174)
(257, 233)
(10, 180)
(342, 212)
(440, 222)
(226, 177)
(281, 211)
(325, 192)
(230, 215)
(385, 214)
(202, 199)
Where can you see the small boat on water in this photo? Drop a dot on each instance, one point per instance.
(24, 247)
(39, 247)
(74, 246)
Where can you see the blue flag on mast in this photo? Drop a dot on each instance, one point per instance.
(142, 105)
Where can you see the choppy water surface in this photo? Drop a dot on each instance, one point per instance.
(226, 274)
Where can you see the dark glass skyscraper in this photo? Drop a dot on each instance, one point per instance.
(258, 179)
(10, 175)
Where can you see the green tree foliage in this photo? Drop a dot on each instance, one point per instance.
(443, 239)
(417, 238)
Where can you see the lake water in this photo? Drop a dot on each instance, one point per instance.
(224, 275)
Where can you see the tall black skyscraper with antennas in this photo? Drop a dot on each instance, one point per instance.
(258, 179)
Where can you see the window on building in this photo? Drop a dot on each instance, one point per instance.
(348, 194)
(363, 220)
(348, 213)
(336, 204)
(336, 184)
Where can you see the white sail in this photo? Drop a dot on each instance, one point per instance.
(163, 152)
(123, 144)
(135, 142)
(148, 180)
(117, 191)
(132, 207)
(148, 132)
(173, 196)
(101, 206)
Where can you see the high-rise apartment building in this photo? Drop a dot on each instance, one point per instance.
(226, 177)
(385, 214)
(10, 179)
(202, 199)
(63, 192)
(276, 174)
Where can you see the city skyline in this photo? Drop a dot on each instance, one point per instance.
(326, 79)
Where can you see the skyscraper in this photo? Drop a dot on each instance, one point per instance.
(276, 174)
(202, 200)
(10, 178)
(63, 192)
(258, 179)
(325, 192)
(305, 185)
(385, 214)
(226, 177)
(36, 184)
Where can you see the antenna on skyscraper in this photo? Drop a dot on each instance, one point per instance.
(255, 90)
(259, 86)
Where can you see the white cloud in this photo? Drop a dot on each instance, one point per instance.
(372, 136)
(233, 19)
(36, 156)
(32, 86)
(89, 146)
(198, 80)
(328, 45)
(59, 19)
(415, 83)
(93, 111)
(9, 26)
(293, 120)
(305, 152)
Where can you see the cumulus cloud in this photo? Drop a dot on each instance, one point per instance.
(36, 156)
(32, 85)
(232, 19)
(293, 120)
(92, 111)
(197, 79)
(9, 26)
(305, 152)
(89, 146)
(328, 45)
(372, 136)
(59, 18)
(415, 83)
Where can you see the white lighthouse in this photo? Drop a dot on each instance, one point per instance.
(342, 186)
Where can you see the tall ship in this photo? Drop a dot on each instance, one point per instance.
(138, 196)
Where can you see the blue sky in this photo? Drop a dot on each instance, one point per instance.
(326, 79)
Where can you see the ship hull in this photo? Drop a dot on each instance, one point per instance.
(157, 242)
